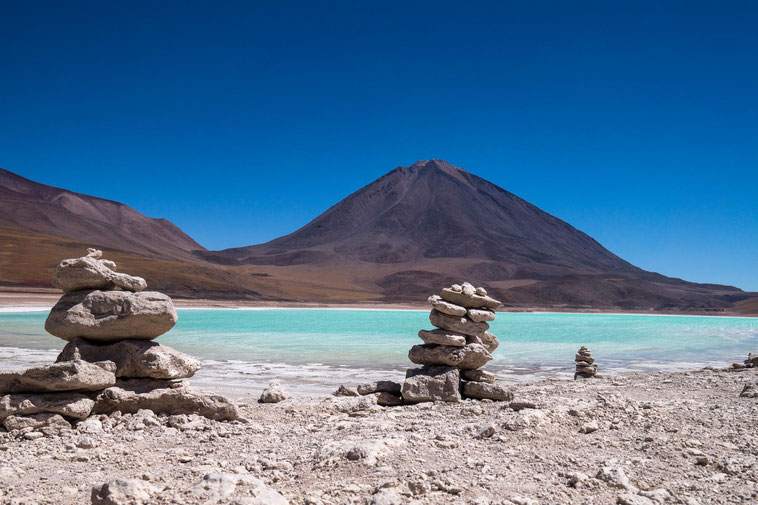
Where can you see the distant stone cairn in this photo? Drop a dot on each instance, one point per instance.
(110, 362)
(453, 353)
(586, 368)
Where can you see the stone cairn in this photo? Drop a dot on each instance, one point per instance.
(452, 354)
(586, 368)
(110, 363)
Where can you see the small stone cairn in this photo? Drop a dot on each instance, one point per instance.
(453, 353)
(586, 368)
(110, 363)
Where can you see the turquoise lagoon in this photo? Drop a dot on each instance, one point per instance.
(315, 349)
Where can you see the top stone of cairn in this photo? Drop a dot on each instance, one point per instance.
(466, 295)
(92, 272)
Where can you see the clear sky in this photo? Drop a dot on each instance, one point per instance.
(635, 121)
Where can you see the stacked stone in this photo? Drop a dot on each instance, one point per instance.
(586, 367)
(453, 353)
(110, 362)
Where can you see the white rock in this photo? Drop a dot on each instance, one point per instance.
(275, 393)
(111, 315)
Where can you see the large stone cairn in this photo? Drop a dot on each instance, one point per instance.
(110, 362)
(586, 368)
(454, 352)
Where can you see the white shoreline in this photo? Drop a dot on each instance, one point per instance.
(28, 308)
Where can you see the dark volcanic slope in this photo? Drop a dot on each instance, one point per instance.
(432, 223)
(435, 210)
(30, 206)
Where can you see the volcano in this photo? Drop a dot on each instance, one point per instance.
(417, 227)
(433, 223)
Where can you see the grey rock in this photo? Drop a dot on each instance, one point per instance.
(633, 499)
(35, 422)
(486, 431)
(752, 360)
(72, 405)
(222, 487)
(111, 315)
(163, 397)
(442, 337)
(386, 399)
(123, 492)
(486, 339)
(466, 357)
(586, 358)
(90, 272)
(615, 476)
(481, 291)
(749, 391)
(431, 384)
(274, 393)
(386, 496)
(134, 358)
(446, 307)
(345, 391)
(480, 316)
(485, 391)
(457, 324)
(473, 301)
(63, 376)
(380, 387)
(468, 289)
(478, 376)
(589, 427)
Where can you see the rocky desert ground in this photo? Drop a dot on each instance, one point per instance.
(680, 438)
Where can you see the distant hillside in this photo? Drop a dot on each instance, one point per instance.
(395, 240)
(35, 207)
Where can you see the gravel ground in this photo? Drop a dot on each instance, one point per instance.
(636, 439)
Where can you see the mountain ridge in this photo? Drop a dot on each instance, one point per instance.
(427, 224)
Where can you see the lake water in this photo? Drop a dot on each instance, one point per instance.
(314, 350)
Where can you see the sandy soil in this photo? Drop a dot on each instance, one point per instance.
(684, 438)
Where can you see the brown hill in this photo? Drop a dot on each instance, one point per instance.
(31, 206)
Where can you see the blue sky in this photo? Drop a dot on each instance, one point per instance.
(636, 122)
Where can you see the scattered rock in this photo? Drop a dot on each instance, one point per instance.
(274, 393)
(633, 499)
(123, 492)
(386, 399)
(589, 427)
(345, 391)
(486, 431)
(614, 476)
(749, 391)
